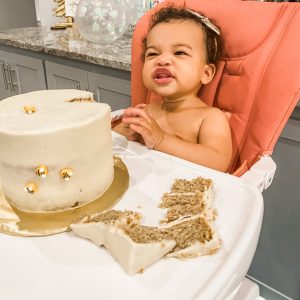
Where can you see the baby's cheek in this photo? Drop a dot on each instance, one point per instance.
(146, 75)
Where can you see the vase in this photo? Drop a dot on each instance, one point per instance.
(103, 21)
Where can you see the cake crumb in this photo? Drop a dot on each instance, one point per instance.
(81, 99)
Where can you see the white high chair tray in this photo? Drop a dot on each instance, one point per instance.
(65, 266)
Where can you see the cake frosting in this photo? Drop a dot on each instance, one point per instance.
(56, 150)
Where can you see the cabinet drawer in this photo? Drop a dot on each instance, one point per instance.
(111, 90)
(64, 77)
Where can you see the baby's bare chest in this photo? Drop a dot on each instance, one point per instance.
(181, 125)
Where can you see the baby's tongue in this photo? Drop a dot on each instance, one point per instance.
(163, 78)
(163, 75)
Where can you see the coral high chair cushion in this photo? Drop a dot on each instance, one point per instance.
(258, 77)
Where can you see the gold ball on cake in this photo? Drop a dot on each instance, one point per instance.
(66, 174)
(29, 109)
(42, 171)
(30, 188)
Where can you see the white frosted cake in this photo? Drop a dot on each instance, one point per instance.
(56, 150)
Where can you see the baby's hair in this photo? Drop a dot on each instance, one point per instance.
(212, 38)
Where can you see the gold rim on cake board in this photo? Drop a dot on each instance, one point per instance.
(16, 222)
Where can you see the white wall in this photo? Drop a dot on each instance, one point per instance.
(17, 14)
(44, 13)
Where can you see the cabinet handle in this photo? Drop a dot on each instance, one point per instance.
(78, 86)
(4, 76)
(12, 84)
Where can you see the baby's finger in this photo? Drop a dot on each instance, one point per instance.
(137, 121)
(139, 129)
(142, 114)
(128, 112)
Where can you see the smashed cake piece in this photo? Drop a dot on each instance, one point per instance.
(190, 214)
(175, 199)
(114, 217)
(92, 226)
(182, 205)
(189, 186)
(194, 237)
(189, 198)
(203, 185)
(180, 212)
(188, 231)
(135, 247)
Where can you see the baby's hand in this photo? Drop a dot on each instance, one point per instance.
(142, 122)
(131, 134)
(127, 113)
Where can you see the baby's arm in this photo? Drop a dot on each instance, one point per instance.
(214, 147)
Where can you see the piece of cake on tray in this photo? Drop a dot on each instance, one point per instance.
(136, 246)
(56, 150)
(189, 198)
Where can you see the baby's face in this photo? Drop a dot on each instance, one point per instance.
(175, 59)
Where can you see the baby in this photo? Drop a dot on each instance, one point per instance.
(181, 50)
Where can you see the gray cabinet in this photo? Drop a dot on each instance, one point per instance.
(20, 74)
(277, 254)
(27, 74)
(114, 91)
(32, 71)
(64, 77)
(5, 89)
(17, 14)
(107, 89)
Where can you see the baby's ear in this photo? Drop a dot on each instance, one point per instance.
(208, 73)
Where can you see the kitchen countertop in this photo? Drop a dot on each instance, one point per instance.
(68, 43)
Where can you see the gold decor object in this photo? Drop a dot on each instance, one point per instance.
(60, 11)
(42, 171)
(66, 174)
(29, 109)
(16, 222)
(30, 188)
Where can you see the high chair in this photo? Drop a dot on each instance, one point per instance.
(257, 80)
(256, 84)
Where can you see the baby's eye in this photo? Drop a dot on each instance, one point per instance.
(180, 53)
(151, 54)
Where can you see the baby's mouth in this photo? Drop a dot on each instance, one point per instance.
(162, 75)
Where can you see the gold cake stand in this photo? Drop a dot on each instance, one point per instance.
(16, 222)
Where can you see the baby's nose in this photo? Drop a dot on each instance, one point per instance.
(164, 59)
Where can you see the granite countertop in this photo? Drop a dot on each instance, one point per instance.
(68, 43)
